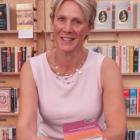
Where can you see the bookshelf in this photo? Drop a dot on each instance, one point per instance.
(9, 38)
(128, 37)
(43, 40)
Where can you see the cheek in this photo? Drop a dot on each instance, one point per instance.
(82, 33)
(56, 27)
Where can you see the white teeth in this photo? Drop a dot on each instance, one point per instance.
(67, 39)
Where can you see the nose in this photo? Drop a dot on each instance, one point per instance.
(67, 27)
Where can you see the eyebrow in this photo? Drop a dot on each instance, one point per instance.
(79, 18)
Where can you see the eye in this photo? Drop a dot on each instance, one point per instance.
(77, 22)
(60, 19)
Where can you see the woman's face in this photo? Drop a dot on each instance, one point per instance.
(70, 26)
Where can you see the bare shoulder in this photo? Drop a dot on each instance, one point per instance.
(26, 66)
(109, 64)
(110, 71)
(26, 75)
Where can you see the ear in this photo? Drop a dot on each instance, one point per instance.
(88, 30)
(90, 27)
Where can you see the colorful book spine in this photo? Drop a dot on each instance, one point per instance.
(138, 102)
(133, 101)
(131, 54)
(135, 59)
(127, 99)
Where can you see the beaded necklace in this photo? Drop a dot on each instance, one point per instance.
(66, 77)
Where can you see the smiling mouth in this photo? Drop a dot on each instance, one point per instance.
(67, 38)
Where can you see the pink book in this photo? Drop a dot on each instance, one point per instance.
(82, 130)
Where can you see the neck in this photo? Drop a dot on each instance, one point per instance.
(68, 59)
(67, 63)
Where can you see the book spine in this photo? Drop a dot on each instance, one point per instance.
(12, 100)
(127, 100)
(138, 102)
(9, 59)
(131, 53)
(127, 59)
(123, 56)
(8, 16)
(135, 59)
(12, 59)
(133, 101)
(4, 59)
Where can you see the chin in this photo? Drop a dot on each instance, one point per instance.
(67, 48)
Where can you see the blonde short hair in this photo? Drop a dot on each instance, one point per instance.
(88, 7)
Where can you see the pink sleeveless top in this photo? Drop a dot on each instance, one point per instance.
(67, 99)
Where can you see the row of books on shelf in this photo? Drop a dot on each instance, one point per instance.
(133, 134)
(132, 101)
(7, 133)
(12, 58)
(124, 15)
(9, 100)
(24, 16)
(126, 56)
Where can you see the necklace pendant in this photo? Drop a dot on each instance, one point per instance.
(56, 67)
(58, 73)
(79, 71)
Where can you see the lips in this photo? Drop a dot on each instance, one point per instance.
(67, 38)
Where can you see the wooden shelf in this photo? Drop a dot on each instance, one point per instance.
(48, 32)
(133, 117)
(15, 31)
(9, 73)
(115, 31)
(8, 114)
(131, 74)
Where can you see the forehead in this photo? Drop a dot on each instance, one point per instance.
(70, 8)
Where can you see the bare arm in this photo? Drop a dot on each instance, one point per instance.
(27, 118)
(113, 101)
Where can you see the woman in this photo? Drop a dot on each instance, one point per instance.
(70, 83)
